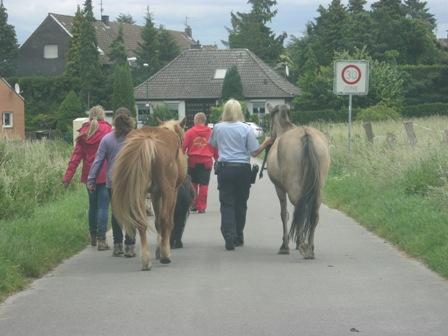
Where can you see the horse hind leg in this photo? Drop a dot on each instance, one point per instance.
(146, 256)
(306, 243)
(284, 248)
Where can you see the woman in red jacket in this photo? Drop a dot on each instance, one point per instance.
(200, 159)
(90, 135)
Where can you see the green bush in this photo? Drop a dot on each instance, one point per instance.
(426, 110)
(427, 173)
(162, 112)
(377, 113)
(301, 117)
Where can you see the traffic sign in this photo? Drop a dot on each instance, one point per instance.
(351, 77)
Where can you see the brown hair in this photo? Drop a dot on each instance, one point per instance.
(123, 122)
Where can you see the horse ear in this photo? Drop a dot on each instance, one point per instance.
(159, 120)
(270, 107)
(183, 122)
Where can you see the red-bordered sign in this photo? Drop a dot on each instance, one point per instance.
(351, 74)
(351, 77)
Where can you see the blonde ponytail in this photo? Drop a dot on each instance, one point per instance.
(96, 113)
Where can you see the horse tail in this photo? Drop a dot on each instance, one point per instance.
(306, 210)
(131, 180)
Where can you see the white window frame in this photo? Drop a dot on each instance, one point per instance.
(51, 51)
(11, 120)
(220, 73)
(259, 102)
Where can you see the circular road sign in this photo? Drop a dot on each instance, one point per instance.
(351, 74)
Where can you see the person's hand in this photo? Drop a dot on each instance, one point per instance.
(66, 184)
(268, 141)
(91, 186)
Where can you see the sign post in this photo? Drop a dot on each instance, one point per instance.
(351, 78)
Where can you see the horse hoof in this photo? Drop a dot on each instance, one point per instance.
(283, 251)
(146, 268)
(309, 257)
(165, 260)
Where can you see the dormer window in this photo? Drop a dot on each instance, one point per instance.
(220, 73)
(51, 51)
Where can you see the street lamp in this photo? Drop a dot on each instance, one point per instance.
(147, 90)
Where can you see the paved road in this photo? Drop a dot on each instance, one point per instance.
(357, 283)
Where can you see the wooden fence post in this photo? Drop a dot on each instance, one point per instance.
(391, 140)
(369, 131)
(409, 127)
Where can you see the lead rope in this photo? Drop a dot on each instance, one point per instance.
(266, 151)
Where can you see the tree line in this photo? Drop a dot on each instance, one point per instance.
(397, 37)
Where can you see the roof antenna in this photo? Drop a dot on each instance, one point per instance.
(101, 8)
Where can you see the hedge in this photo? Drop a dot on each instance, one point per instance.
(425, 110)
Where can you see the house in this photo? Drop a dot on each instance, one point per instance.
(44, 52)
(192, 83)
(12, 112)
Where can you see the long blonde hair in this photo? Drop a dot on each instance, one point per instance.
(96, 113)
(232, 111)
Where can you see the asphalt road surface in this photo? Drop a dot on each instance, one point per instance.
(357, 285)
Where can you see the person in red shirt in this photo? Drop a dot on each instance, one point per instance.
(90, 135)
(200, 159)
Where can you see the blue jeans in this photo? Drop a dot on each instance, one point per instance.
(117, 231)
(98, 211)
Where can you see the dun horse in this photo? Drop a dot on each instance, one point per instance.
(297, 164)
(151, 161)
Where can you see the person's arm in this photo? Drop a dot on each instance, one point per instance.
(187, 141)
(266, 142)
(75, 159)
(100, 156)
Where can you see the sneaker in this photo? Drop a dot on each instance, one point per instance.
(201, 211)
(175, 244)
(118, 250)
(193, 209)
(129, 251)
(102, 245)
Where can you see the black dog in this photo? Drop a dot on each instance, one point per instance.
(185, 197)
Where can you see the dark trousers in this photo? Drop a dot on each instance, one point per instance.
(117, 231)
(234, 188)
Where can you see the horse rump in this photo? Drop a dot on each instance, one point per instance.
(185, 197)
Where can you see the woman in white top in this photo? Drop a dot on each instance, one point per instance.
(236, 143)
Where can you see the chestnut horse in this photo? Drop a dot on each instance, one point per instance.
(297, 164)
(151, 161)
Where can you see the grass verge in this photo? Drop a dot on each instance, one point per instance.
(31, 246)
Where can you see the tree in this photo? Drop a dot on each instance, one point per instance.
(123, 89)
(168, 49)
(90, 72)
(232, 87)
(148, 50)
(417, 10)
(73, 56)
(70, 109)
(249, 30)
(125, 18)
(8, 44)
(117, 52)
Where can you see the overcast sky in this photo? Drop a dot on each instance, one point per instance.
(208, 18)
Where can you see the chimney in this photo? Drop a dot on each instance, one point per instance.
(105, 19)
(196, 45)
(188, 31)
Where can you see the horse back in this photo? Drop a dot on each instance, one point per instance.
(287, 159)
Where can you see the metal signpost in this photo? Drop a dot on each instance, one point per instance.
(351, 78)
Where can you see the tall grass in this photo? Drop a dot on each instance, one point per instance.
(398, 191)
(30, 175)
(31, 246)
